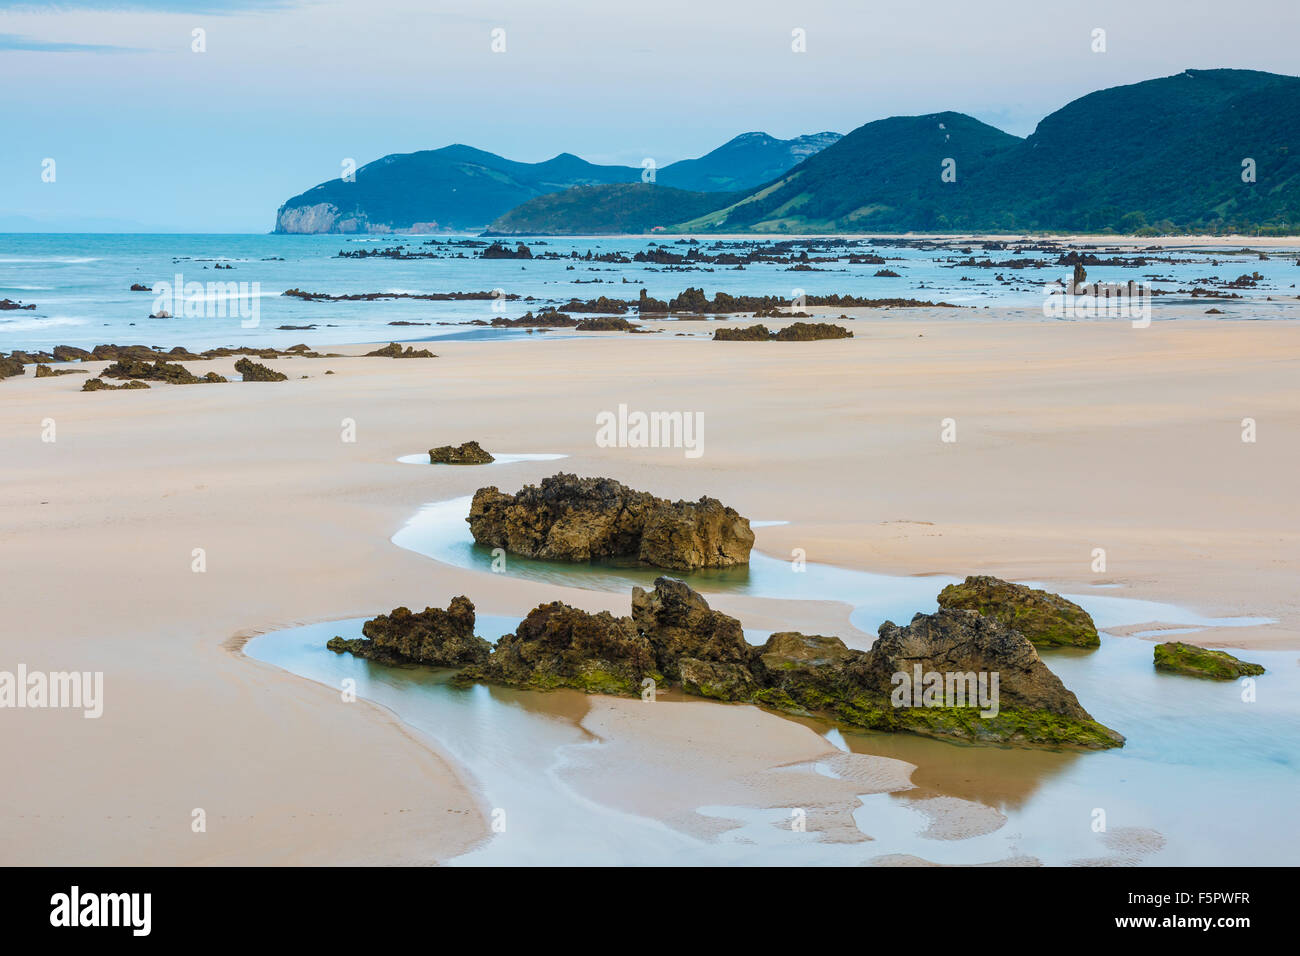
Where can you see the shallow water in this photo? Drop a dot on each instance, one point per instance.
(1214, 777)
(1205, 777)
(80, 284)
(439, 531)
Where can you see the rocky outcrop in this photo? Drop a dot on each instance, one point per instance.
(434, 637)
(608, 323)
(99, 385)
(46, 371)
(257, 372)
(954, 674)
(159, 371)
(1192, 661)
(470, 453)
(752, 333)
(567, 518)
(692, 642)
(794, 332)
(561, 646)
(10, 366)
(8, 305)
(393, 350)
(1047, 619)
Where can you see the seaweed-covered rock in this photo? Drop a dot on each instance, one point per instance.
(1047, 619)
(1176, 657)
(567, 518)
(469, 453)
(561, 646)
(435, 637)
(99, 385)
(45, 371)
(954, 673)
(393, 350)
(256, 372)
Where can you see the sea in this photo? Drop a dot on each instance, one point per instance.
(80, 284)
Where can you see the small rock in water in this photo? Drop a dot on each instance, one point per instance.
(470, 453)
(1176, 657)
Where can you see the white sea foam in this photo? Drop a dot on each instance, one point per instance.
(60, 260)
(31, 325)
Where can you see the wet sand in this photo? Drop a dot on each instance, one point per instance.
(1071, 436)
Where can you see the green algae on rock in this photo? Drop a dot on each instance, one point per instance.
(1047, 619)
(673, 637)
(469, 453)
(1176, 657)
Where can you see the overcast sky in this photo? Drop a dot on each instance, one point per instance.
(146, 133)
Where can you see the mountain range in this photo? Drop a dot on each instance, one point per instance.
(1202, 151)
(459, 187)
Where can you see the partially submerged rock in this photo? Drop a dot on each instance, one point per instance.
(561, 646)
(567, 518)
(393, 350)
(469, 453)
(953, 674)
(1047, 619)
(435, 637)
(257, 372)
(1176, 657)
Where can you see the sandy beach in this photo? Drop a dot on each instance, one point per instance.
(1070, 436)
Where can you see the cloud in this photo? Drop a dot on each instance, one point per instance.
(12, 41)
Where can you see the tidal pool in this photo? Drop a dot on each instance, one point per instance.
(1206, 777)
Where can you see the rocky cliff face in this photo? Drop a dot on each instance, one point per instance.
(567, 518)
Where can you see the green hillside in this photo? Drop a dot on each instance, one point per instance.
(1162, 155)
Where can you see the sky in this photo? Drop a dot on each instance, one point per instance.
(146, 133)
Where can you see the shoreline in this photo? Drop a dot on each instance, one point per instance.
(1062, 425)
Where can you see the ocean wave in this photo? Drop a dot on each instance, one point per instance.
(61, 260)
(31, 325)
